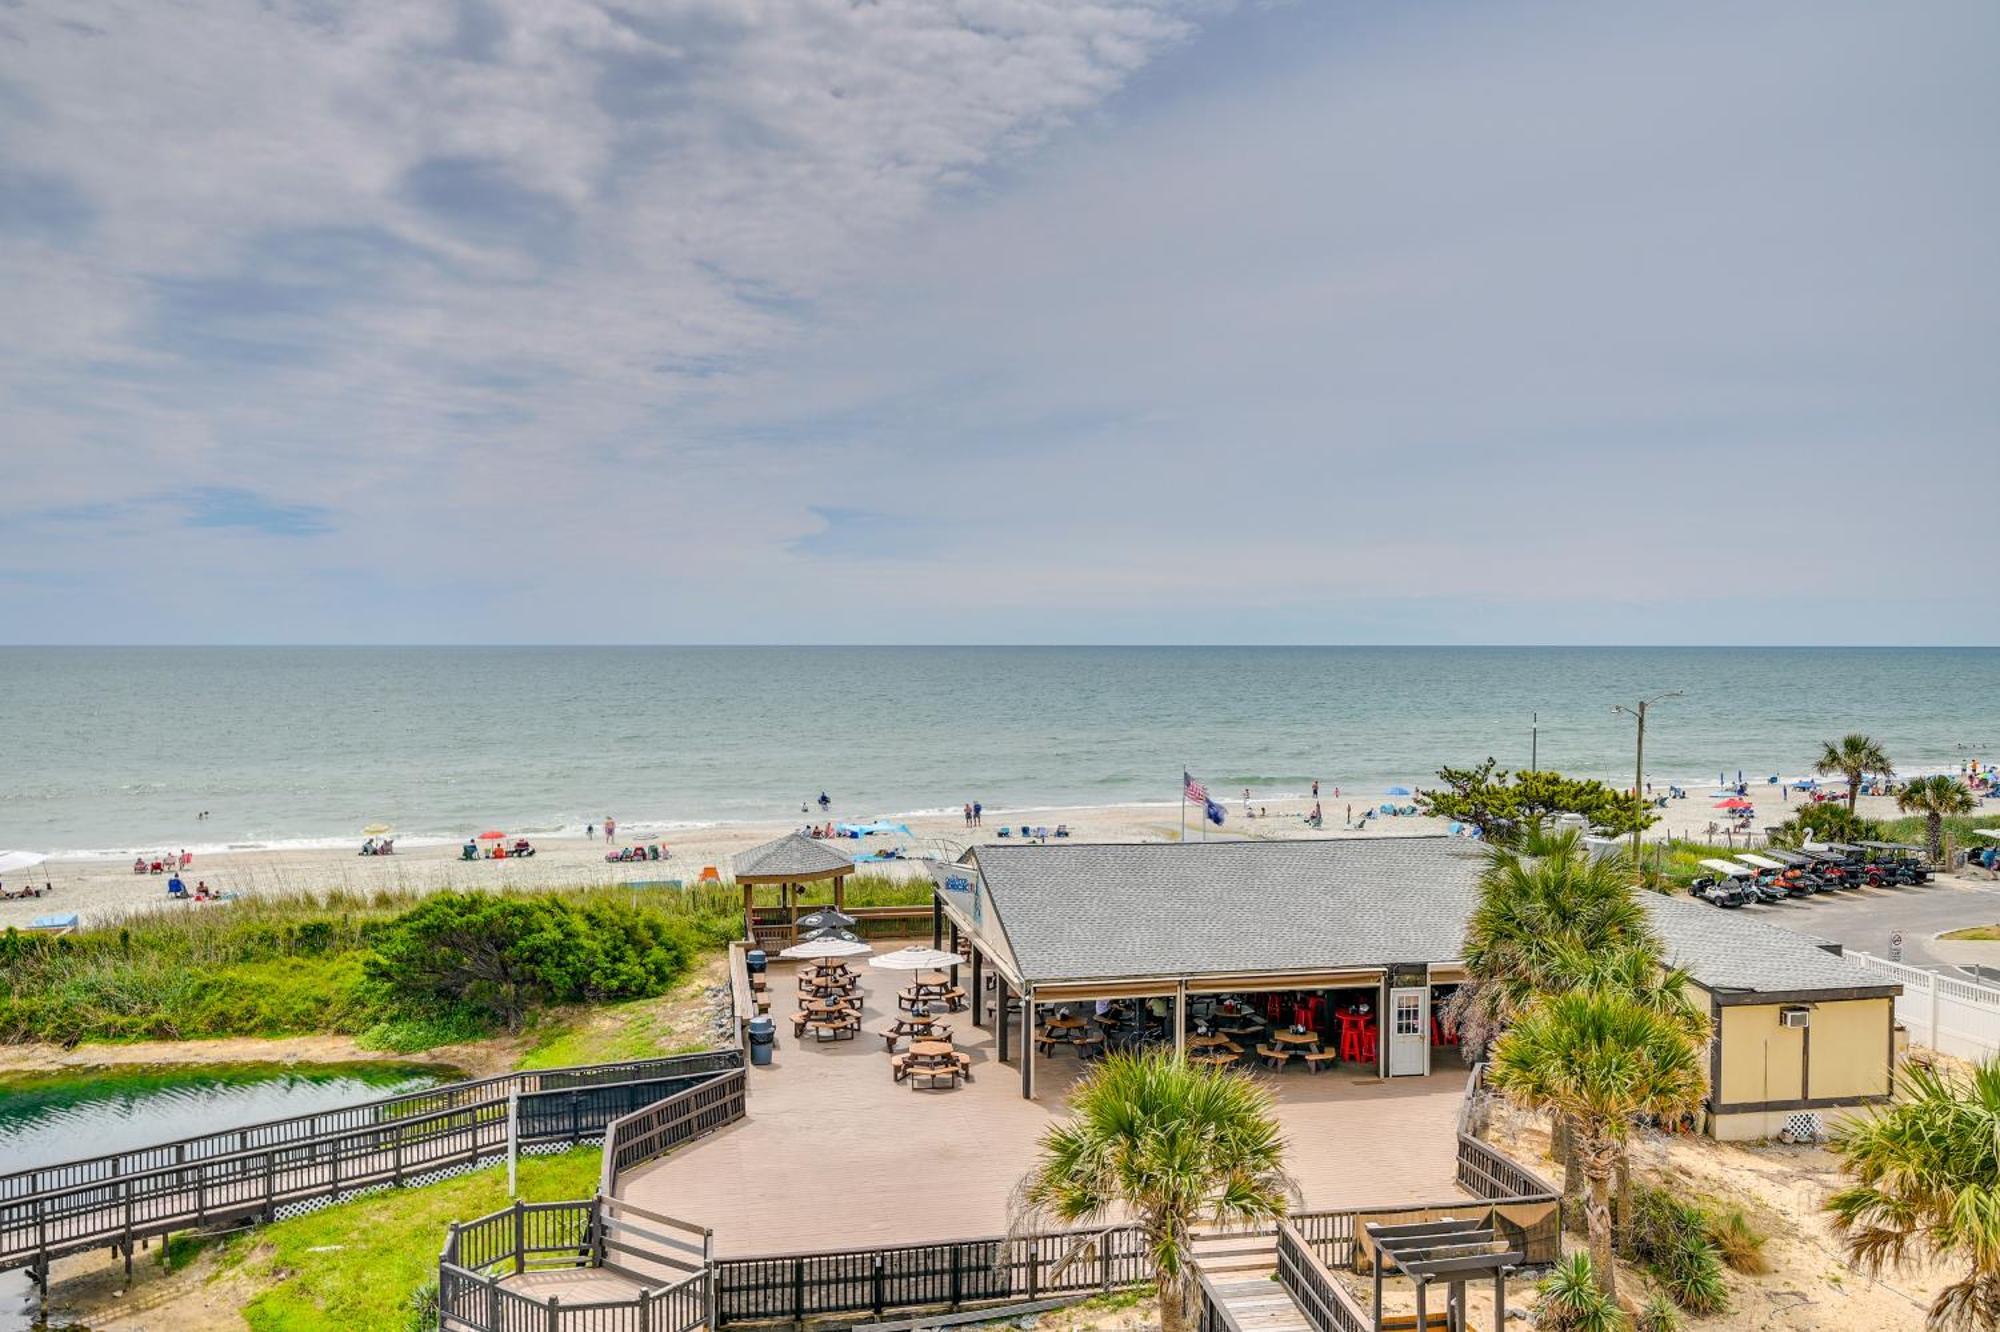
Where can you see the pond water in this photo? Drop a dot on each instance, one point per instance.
(51, 1117)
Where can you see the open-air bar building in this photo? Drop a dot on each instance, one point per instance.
(1368, 933)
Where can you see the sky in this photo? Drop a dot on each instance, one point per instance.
(992, 321)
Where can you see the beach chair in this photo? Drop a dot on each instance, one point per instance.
(1005, 831)
(709, 874)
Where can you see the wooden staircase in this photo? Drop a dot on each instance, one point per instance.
(1241, 1271)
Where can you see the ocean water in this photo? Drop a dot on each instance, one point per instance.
(115, 749)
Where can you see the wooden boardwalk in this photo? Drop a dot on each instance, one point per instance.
(833, 1152)
(1240, 1273)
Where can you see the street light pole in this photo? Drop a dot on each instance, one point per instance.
(1638, 712)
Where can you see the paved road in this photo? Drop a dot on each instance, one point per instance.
(1864, 918)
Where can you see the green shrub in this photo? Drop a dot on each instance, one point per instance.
(420, 1309)
(1658, 1314)
(1670, 1238)
(1571, 1302)
(1828, 822)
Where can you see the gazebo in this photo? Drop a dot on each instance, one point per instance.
(1451, 1252)
(790, 863)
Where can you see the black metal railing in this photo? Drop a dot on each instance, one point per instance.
(114, 1201)
(1313, 1286)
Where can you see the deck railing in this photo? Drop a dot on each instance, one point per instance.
(661, 1126)
(1484, 1171)
(950, 1274)
(479, 1255)
(116, 1200)
(480, 1092)
(1313, 1286)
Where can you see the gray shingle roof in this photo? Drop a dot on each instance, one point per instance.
(790, 856)
(1178, 909)
(1730, 950)
(1093, 911)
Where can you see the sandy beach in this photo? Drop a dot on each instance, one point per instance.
(97, 889)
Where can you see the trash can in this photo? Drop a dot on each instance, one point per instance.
(763, 1035)
(754, 962)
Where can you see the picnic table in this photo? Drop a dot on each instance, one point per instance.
(1066, 1022)
(930, 1060)
(919, 1030)
(1308, 1039)
(1212, 1041)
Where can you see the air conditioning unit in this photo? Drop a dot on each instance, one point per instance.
(1794, 1015)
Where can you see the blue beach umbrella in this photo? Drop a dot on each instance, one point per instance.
(1398, 790)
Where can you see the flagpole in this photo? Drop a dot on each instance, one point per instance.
(1184, 773)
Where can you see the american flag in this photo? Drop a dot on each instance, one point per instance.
(1192, 789)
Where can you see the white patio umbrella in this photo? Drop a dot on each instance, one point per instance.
(917, 959)
(819, 948)
(1994, 833)
(13, 862)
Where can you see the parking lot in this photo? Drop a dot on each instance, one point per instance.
(1865, 919)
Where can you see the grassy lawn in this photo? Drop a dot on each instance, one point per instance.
(1976, 932)
(640, 1029)
(356, 1264)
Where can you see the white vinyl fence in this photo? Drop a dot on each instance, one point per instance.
(1947, 1014)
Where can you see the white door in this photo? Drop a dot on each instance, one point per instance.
(1409, 1045)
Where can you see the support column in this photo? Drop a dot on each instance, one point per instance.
(937, 920)
(954, 948)
(1423, 1314)
(978, 993)
(1180, 1021)
(1028, 1045)
(1000, 1013)
(1500, 1297)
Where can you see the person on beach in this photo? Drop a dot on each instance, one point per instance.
(968, 813)
(1315, 792)
(978, 813)
(610, 827)
(589, 830)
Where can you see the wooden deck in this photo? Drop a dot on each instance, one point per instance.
(833, 1154)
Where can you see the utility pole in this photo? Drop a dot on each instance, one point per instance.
(1534, 741)
(1638, 712)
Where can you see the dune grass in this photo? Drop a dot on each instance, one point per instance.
(291, 965)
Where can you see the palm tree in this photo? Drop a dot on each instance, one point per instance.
(1927, 1184)
(1935, 798)
(1598, 1057)
(1536, 901)
(1168, 1144)
(1853, 756)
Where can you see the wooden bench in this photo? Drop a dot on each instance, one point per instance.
(1273, 1056)
(1319, 1059)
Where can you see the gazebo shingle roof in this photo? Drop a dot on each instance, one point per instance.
(793, 858)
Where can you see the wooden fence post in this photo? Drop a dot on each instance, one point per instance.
(520, 1239)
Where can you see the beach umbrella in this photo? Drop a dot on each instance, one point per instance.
(832, 932)
(826, 918)
(818, 948)
(491, 835)
(917, 958)
(376, 829)
(1734, 802)
(13, 862)
(1398, 790)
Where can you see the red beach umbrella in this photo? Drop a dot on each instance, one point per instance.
(492, 835)
(1735, 802)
